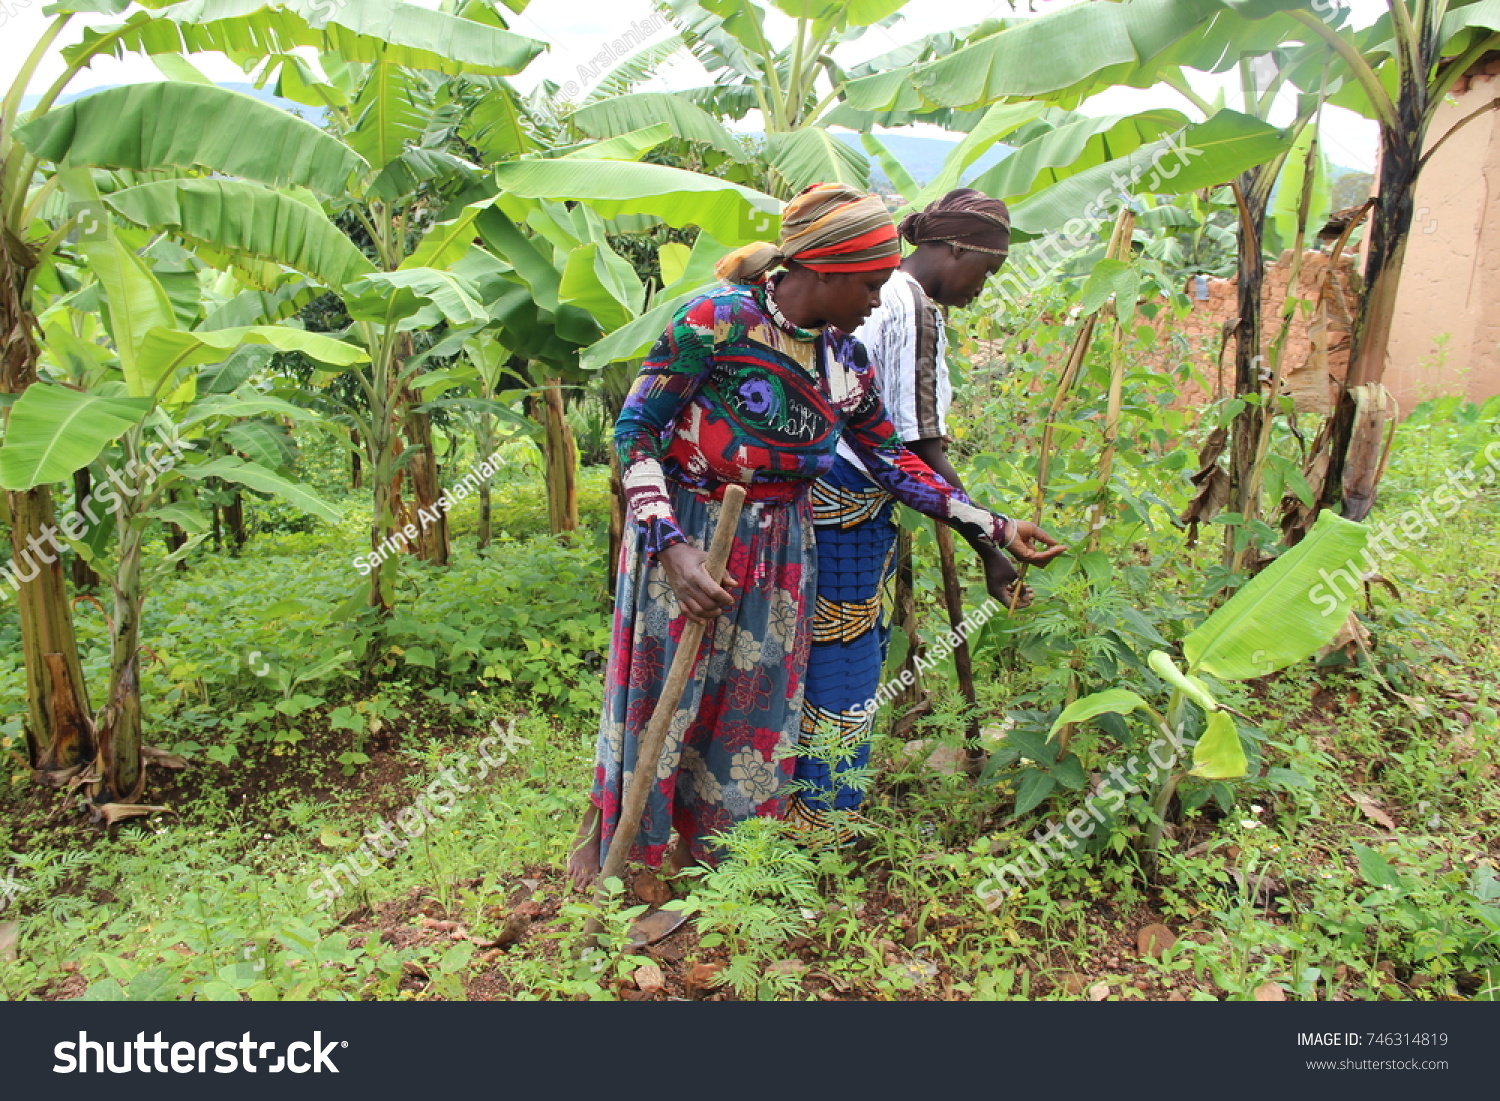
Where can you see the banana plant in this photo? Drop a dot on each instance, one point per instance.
(1280, 617)
(1398, 71)
(796, 86)
(261, 151)
(138, 404)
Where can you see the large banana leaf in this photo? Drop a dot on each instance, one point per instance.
(391, 113)
(840, 13)
(1064, 54)
(257, 307)
(55, 430)
(1203, 155)
(245, 402)
(145, 126)
(622, 114)
(137, 303)
(497, 126)
(415, 167)
(717, 38)
(166, 351)
(631, 146)
(635, 70)
(447, 242)
(232, 469)
(1287, 203)
(505, 240)
(730, 213)
(1071, 148)
(633, 339)
(1288, 610)
(249, 220)
(812, 155)
(365, 31)
(586, 284)
(413, 298)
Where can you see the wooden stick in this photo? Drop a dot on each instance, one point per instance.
(648, 752)
(954, 598)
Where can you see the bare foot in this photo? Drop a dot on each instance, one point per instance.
(583, 860)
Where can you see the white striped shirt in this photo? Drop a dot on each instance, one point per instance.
(908, 345)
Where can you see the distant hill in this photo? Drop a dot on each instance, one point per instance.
(923, 157)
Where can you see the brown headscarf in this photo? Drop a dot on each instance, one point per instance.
(966, 217)
(828, 227)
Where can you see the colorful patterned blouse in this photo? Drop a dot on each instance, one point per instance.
(733, 392)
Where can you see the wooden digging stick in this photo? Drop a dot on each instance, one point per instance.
(648, 752)
(953, 597)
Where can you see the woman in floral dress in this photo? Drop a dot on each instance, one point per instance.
(754, 383)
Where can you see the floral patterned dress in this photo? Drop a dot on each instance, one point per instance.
(733, 392)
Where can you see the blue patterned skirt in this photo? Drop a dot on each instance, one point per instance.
(856, 541)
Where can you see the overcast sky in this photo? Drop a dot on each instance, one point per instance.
(577, 30)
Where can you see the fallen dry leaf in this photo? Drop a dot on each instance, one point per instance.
(1372, 810)
(10, 939)
(1154, 940)
(786, 967)
(1099, 991)
(514, 929)
(158, 756)
(1270, 992)
(110, 813)
(702, 977)
(440, 926)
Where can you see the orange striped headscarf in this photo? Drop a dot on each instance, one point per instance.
(828, 227)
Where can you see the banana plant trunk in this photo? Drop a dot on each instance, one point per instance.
(485, 437)
(1353, 485)
(356, 463)
(83, 576)
(431, 544)
(59, 732)
(121, 775)
(234, 521)
(562, 461)
(1246, 429)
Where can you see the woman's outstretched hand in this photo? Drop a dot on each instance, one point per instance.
(700, 597)
(1023, 544)
(1000, 576)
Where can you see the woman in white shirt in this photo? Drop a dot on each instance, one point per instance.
(960, 242)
